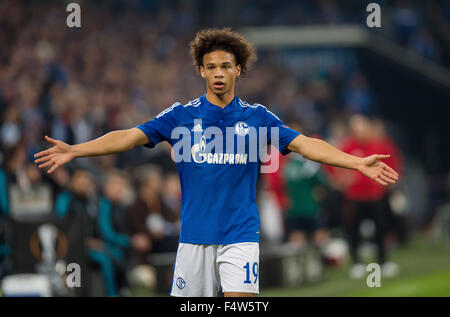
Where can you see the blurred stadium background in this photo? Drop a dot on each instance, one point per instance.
(320, 69)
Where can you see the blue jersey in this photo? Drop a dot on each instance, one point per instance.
(218, 165)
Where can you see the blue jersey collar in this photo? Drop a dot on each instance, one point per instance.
(209, 106)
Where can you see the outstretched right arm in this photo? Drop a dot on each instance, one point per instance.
(113, 142)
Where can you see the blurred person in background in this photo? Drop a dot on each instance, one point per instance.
(163, 218)
(151, 219)
(405, 20)
(111, 251)
(80, 200)
(60, 182)
(306, 187)
(394, 200)
(332, 203)
(12, 159)
(358, 98)
(171, 196)
(273, 199)
(137, 214)
(23, 192)
(161, 157)
(363, 200)
(23, 185)
(11, 129)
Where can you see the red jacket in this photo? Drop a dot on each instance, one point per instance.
(274, 182)
(359, 187)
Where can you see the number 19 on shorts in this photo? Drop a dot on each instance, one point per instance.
(251, 272)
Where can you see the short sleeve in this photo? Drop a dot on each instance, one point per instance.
(160, 127)
(278, 133)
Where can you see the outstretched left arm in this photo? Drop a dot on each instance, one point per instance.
(322, 152)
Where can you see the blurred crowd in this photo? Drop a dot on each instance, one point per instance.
(130, 61)
(422, 26)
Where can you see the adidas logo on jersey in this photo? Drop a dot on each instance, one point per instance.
(197, 128)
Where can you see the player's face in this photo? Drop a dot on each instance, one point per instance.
(220, 71)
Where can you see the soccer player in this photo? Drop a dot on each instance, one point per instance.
(219, 240)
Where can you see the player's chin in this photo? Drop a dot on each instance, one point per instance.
(219, 90)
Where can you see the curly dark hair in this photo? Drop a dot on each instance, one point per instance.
(209, 40)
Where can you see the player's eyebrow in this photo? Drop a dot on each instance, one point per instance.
(223, 63)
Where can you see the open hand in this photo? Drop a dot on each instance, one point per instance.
(378, 171)
(55, 156)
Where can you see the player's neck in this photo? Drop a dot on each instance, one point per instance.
(220, 100)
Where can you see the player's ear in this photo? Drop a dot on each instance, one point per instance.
(202, 71)
(238, 67)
